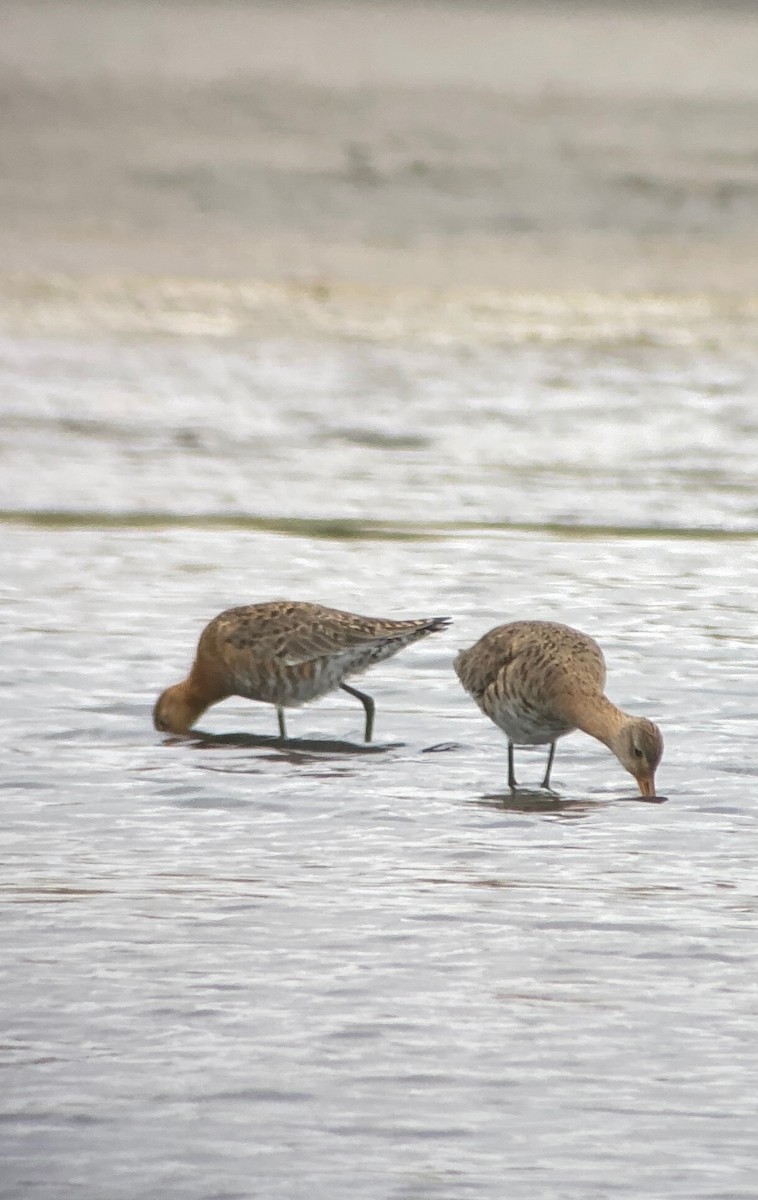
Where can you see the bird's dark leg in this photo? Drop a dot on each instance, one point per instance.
(368, 704)
(282, 726)
(511, 772)
(550, 757)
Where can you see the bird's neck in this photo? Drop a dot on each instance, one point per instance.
(599, 717)
(191, 697)
(205, 685)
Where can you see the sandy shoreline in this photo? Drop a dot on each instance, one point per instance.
(386, 146)
(455, 317)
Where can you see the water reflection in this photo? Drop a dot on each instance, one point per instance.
(200, 740)
(540, 803)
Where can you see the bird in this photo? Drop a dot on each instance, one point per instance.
(285, 653)
(539, 680)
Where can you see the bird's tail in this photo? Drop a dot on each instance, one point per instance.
(435, 624)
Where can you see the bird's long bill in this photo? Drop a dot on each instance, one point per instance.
(646, 784)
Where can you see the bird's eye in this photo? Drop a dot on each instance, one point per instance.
(637, 752)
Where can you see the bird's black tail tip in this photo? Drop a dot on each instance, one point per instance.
(434, 624)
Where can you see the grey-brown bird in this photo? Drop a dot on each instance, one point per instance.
(538, 681)
(285, 653)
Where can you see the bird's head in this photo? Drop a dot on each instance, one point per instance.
(176, 710)
(639, 746)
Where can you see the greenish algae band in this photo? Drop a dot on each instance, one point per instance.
(351, 529)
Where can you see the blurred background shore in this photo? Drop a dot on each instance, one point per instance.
(382, 146)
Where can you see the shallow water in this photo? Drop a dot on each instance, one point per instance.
(234, 969)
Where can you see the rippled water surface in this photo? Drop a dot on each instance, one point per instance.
(236, 970)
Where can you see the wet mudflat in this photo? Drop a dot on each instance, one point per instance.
(238, 968)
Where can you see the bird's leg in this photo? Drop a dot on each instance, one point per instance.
(550, 757)
(368, 704)
(282, 726)
(511, 772)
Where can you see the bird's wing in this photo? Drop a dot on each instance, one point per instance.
(292, 634)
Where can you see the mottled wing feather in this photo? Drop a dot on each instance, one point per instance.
(305, 645)
(480, 667)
